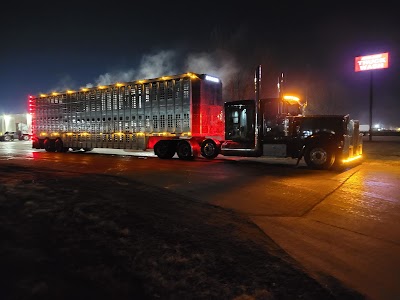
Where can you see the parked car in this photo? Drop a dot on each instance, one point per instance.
(14, 135)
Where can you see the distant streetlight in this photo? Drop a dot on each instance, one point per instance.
(369, 63)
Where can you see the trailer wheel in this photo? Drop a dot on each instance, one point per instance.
(49, 145)
(319, 157)
(184, 150)
(164, 150)
(59, 146)
(209, 149)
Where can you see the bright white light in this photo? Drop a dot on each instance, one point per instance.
(377, 126)
(211, 78)
(7, 120)
(29, 121)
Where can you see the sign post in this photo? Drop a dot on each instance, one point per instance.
(369, 63)
(370, 106)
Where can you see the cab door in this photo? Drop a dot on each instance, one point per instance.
(240, 123)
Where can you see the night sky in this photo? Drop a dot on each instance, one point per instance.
(69, 45)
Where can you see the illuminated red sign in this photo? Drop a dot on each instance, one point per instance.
(372, 62)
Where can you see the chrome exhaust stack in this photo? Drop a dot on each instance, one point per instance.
(257, 91)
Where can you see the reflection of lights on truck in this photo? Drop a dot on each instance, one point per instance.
(185, 115)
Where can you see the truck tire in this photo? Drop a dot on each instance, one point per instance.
(319, 157)
(184, 150)
(7, 138)
(25, 137)
(49, 145)
(59, 146)
(164, 149)
(209, 149)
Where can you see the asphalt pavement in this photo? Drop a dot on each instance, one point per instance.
(331, 241)
(353, 233)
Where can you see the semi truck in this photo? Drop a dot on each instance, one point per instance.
(14, 135)
(185, 116)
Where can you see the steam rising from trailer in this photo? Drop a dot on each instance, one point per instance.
(167, 62)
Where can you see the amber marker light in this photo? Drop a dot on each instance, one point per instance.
(291, 98)
(350, 159)
(191, 75)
